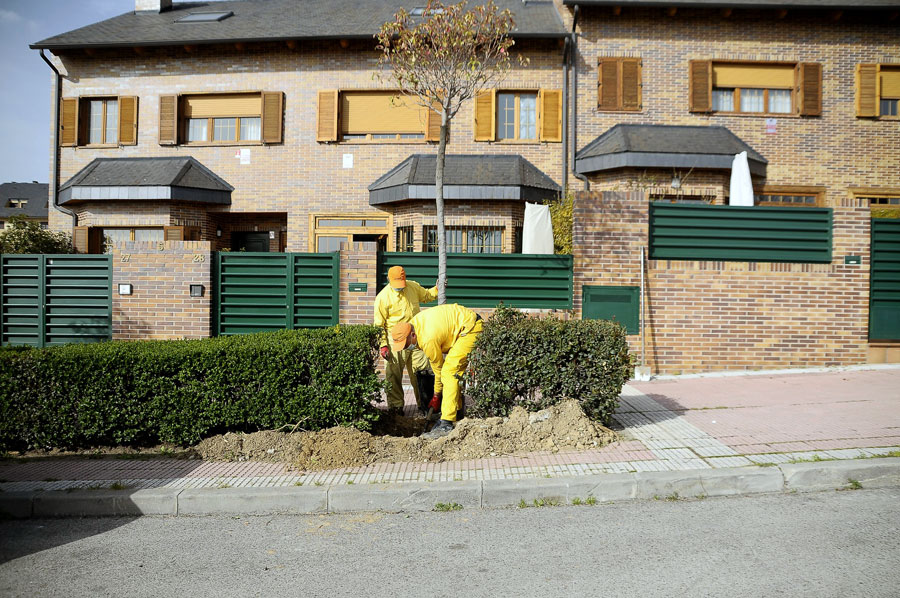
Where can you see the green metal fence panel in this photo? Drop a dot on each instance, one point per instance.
(21, 318)
(55, 299)
(315, 279)
(259, 292)
(884, 295)
(621, 304)
(77, 299)
(486, 279)
(737, 233)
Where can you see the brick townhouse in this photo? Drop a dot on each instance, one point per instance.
(261, 125)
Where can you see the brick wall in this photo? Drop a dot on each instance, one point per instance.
(300, 177)
(359, 264)
(703, 316)
(160, 306)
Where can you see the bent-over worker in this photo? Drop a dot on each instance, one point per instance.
(451, 329)
(399, 302)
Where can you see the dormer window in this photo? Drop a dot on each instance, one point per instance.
(18, 203)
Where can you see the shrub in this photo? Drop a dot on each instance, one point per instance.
(537, 362)
(22, 235)
(179, 391)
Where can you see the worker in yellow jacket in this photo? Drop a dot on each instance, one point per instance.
(451, 329)
(399, 302)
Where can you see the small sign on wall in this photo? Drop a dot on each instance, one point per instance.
(771, 126)
(359, 287)
(348, 160)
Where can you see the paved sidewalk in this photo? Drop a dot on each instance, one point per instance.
(675, 425)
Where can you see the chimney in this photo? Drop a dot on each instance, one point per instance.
(152, 5)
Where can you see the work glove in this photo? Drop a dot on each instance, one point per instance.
(435, 403)
(385, 352)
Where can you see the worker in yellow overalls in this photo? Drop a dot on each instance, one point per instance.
(399, 302)
(451, 329)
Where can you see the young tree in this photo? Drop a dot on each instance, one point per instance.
(441, 61)
(22, 235)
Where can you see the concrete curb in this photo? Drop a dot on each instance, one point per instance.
(487, 494)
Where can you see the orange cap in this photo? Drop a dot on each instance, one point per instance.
(399, 333)
(397, 277)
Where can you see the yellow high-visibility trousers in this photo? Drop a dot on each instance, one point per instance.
(454, 366)
(413, 360)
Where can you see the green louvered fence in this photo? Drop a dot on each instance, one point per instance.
(736, 233)
(273, 291)
(486, 279)
(55, 299)
(884, 296)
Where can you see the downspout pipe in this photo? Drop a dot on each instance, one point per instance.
(565, 115)
(54, 176)
(573, 62)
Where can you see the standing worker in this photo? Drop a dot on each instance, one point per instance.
(451, 329)
(399, 302)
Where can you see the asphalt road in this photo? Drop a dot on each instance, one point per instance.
(843, 543)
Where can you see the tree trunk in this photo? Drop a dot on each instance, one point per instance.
(439, 205)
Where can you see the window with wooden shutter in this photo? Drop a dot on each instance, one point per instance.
(551, 115)
(68, 125)
(619, 84)
(485, 109)
(877, 90)
(810, 88)
(272, 116)
(128, 117)
(224, 118)
(380, 115)
(327, 116)
(700, 86)
(433, 126)
(756, 87)
(168, 120)
(867, 90)
(889, 90)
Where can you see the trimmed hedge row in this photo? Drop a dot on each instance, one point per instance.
(146, 392)
(537, 362)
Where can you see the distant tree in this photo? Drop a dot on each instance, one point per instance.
(441, 61)
(22, 235)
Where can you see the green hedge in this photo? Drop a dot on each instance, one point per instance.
(537, 362)
(180, 391)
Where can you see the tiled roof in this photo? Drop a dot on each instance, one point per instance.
(273, 20)
(36, 193)
(465, 177)
(662, 146)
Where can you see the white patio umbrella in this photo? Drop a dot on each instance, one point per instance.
(537, 230)
(741, 193)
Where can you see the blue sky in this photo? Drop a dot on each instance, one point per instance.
(26, 93)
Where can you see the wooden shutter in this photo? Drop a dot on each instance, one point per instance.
(272, 111)
(631, 84)
(608, 84)
(867, 90)
(173, 233)
(68, 125)
(80, 239)
(551, 115)
(700, 86)
(433, 126)
(485, 111)
(128, 115)
(168, 120)
(809, 86)
(327, 117)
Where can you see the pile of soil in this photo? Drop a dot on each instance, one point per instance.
(561, 427)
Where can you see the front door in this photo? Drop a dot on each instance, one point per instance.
(253, 242)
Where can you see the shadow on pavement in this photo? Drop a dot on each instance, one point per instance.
(19, 538)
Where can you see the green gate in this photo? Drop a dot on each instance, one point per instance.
(884, 295)
(486, 279)
(55, 299)
(275, 291)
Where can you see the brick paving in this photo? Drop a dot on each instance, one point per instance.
(665, 425)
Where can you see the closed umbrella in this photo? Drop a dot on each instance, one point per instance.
(741, 192)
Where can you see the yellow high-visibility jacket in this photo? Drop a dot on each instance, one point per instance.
(437, 328)
(400, 306)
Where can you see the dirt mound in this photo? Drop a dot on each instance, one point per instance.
(561, 427)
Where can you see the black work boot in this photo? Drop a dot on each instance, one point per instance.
(440, 429)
